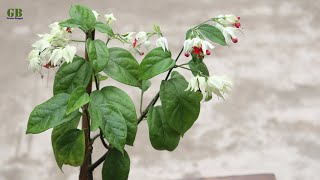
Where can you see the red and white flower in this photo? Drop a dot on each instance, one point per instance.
(197, 46)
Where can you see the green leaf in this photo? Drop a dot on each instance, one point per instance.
(113, 126)
(78, 98)
(110, 120)
(49, 114)
(70, 148)
(155, 62)
(116, 166)
(198, 67)
(123, 67)
(213, 34)
(72, 75)
(83, 15)
(70, 23)
(57, 133)
(162, 137)
(122, 101)
(145, 85)
(96, 100)
(104, 28)
(98, 54)
(116, 97)
(181, 108)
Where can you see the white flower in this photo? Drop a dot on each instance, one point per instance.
(109, 18)
(95, 14)
(68, 53)
(206, 46)
(219, 85)
(187, 45)
(56, 56)
(230, 18)
(227, 20)
(147, 44)
(34, 60)
(228, 32)
(56, 30)
(197, 83)
(163, 43)
(41, 44)
(141, 37)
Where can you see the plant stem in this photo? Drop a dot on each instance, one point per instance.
(74, 40)
(98, 162)
(155, 99)
(141, 100)
(85, 174)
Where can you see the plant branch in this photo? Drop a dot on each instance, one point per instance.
(98, 162)
(96, 82)
(103, 141)
(94, 138)
(74, 40)
(155, 99)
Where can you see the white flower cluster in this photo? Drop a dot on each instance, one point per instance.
(228, 24)
(142, 39)
(218, 85)
(52, 49)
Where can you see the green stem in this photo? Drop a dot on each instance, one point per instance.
(74, 40)
(141, 100)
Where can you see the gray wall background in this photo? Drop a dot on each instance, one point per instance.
(270, 123)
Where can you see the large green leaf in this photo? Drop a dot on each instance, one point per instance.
(78, 98)
(72, 75)
(181, 108)
(98, 54)
(70, 23)
(116, 166)
(122, 101)
(109, 119)
(104, 28)
(70, 147)
(162, 137)
(50, 114)
(198, 68)
(84, 15)
(57, 133)
(123, 67)
(155, 62)
(212, 33)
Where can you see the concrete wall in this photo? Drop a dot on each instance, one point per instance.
(270, 123)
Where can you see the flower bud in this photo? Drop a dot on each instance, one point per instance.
(68, 30)
(238, 17)
(186, 54)
(237, 25)
(208, 52)
(234, 40)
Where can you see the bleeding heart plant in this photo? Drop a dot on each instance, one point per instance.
(110, 110)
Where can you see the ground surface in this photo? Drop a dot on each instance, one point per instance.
(270, 123)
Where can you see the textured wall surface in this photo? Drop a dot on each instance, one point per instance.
(269, 124)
